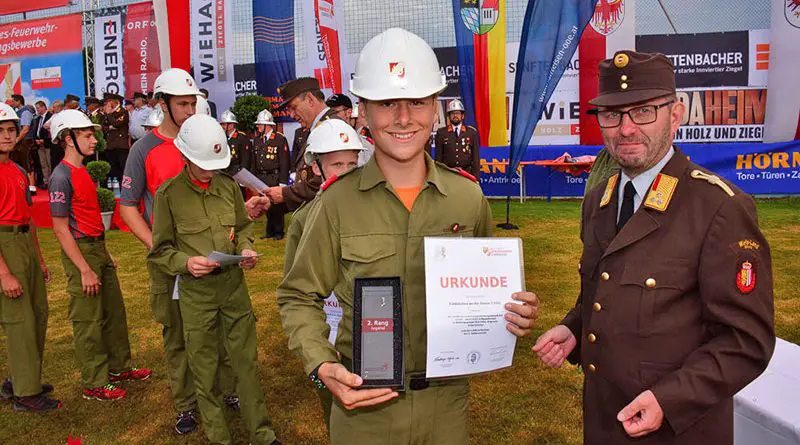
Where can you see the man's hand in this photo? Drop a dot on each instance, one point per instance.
(11, 286)
(521, 317)
(257, 206)
(275, 194)
(45, 272)
(251, 261)
(343, 384)
(555, 345)
(642, 416)
(90, 283)
(200, 266)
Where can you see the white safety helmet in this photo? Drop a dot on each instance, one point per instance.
(175, 82)
(69, 120)
(397, 64)
(228, 118)
(330, 136)
(264, 117)
(202, 141)
(455, 105)
(155, 118)
(7, 113)
(202, 106)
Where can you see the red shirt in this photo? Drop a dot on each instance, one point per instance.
(73, 195)
(152, 160)
(201, 184)
(15, 198)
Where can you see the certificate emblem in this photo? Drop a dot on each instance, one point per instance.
(473, 357)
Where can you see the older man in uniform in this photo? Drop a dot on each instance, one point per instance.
(270, 164)
(304, 101)
(371, 223)
(94, 108)
(72, 102)
(115, 123)
(675, 313)
(141, 111)
(458, 145)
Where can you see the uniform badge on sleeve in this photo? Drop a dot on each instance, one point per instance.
(746, 277)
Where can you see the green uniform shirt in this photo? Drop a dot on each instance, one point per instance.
(604, 166)
(190, 221)
(358, 227)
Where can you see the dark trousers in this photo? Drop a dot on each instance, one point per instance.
(275, 215)
(117, 160)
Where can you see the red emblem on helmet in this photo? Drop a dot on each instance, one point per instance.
(397, 69)
(345, 138)
(792, 12)
(608, 16)
(217, 148)
(746, 277)
(188, 81)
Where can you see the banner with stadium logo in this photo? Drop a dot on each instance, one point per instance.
(212, 60)
(108, 61)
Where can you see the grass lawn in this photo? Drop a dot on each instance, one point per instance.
(527, 403)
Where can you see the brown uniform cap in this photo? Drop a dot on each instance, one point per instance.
(294, 88)
(72, 98)
(630, 77)
(92, 100)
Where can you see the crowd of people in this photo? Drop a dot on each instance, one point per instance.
(667, 326)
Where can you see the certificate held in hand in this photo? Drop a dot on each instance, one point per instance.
(468, 282)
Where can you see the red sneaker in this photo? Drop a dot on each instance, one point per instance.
(131, 374)
(108, 392)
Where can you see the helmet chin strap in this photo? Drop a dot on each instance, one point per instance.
(321, 171)
(167, 98)
(75, 143)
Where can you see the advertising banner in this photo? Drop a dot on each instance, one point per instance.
(757, 168)
(140, 47)
(326, 40)
(108, 62)
(212, 57)
(783, 107)
(42, 59)
(17, 6)
(273, 45)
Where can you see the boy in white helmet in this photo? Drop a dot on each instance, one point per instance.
(239, 142)
(371, 223)
(23, 273)
(96, 307)
(152, 160)
(197, 212)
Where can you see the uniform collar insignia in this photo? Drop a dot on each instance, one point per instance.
(661, 192)
(610, 186)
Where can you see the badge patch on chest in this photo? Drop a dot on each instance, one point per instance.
(746, 277)
(661, 192)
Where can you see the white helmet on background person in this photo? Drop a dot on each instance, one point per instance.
(264, 117)
(202, 141)
(7, 113)
(455, 105)
(228, 118)
(397, 64)
(330, 136)
(154, 119)
(69, 120)
(202, 106)
(175, 82)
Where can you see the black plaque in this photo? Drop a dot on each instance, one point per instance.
(378, 332)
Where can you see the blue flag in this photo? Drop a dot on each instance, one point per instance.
(550, 35)
(273, 39)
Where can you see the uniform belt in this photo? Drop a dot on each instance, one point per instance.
(269, 172)
(418, 383)
(91, 239)
(15, 229)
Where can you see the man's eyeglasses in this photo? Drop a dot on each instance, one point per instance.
(646, 114)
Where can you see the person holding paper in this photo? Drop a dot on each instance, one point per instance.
(153, 160)
(370, 223)
(197, 212)
(675, 313)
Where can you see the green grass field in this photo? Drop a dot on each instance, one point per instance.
(527, 403)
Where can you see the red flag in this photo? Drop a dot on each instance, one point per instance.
(71, 441)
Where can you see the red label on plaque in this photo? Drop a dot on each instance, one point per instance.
(377, 325)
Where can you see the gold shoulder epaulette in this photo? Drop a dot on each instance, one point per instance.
(713, 179)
